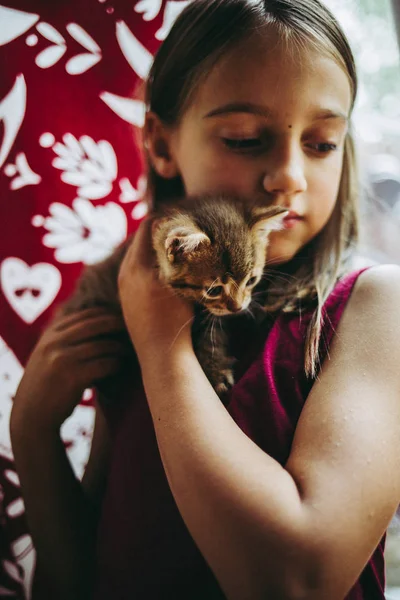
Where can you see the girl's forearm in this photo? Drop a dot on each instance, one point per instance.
(242, 508)
(60, 519)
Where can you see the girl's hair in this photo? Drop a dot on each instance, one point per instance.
(204, 31)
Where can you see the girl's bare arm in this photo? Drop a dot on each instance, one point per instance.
(306, 530)
(62, 513)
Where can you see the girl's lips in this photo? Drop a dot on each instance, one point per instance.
(291, 220)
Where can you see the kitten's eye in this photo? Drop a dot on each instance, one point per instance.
(251, 281)
(215, 291)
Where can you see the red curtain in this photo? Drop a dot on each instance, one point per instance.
(70, 190)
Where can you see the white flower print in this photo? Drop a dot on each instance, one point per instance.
(172, 11)
(84, 233)
(14, 23)
(90, 166)
(22, 173)
(77, 433)
(129, 193)
(149, 8)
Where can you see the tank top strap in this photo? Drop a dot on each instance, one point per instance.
(334, 307)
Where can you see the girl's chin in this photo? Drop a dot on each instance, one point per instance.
(282, 257)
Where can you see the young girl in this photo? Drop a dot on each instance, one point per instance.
(288, 491)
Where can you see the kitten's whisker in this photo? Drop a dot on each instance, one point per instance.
(215, 281)
(248, 309)
(235, 284)
(283, 273)
(180, 331)
(212, 336)
(271, 276)
(275, 260)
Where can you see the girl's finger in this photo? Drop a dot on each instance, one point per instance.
(141, 253)
(91, 351)
(79, 331)
(63, 322)
(102, 368)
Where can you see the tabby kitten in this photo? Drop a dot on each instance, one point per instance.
(210, 250)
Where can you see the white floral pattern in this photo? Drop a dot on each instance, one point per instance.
(90, 166)
(84, 233)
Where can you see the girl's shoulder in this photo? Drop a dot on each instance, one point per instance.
(370, 294)
(375, 286)
(380, 282)
(371, 310)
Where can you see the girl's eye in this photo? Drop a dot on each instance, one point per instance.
(242, 144)
(323, 148)
(215, 291)
(251, 281)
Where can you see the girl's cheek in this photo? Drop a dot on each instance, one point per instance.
(217, 173)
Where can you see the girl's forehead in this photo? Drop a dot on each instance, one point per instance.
(276, 77)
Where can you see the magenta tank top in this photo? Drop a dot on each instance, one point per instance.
(144, 549)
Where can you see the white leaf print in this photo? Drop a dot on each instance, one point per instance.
(64, 215)
(95, 191)
(72, 143)
(65, 164)
(132, 111)
(12, 570)
(50, 33)
(109, 158)
(78, 430)
(172, 11)
(25, 556)
(26, 175)
(10, 375)
(74, 178)
(90, 148)
(141, 209)
(66, 152)
(135, 53)
(83, 38)
(22, 546)
(12, 112)
(129, 193)
(12, 475)
(59, 238)
(4, 593)
(16, 508)
(149, 8)
(14, 23)
(50, 56)
(81, 63)
(91, 169)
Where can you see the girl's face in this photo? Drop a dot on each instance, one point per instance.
(270, 125)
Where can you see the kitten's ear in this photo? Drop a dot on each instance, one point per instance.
(183, 241)
(266, 220)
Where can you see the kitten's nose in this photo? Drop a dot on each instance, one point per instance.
(233, 306)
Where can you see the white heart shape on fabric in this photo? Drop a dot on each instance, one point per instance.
(29, 290)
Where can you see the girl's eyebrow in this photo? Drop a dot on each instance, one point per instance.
(319, 114)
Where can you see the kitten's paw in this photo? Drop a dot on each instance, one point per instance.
(225, 382)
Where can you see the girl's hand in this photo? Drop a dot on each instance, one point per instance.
(155, 317)
(73, 353)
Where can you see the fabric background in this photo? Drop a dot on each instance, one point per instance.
(70, 190)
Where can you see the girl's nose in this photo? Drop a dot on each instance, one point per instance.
(285, 173)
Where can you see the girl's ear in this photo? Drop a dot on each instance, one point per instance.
(157, 142)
